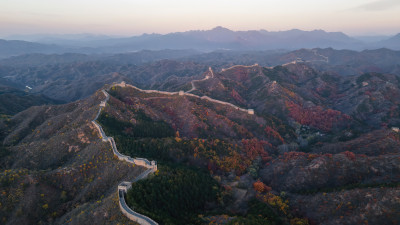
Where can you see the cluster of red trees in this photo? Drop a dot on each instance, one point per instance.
(254, 148)
(234, 159)
(292, 155)
(316, 116)
(235, 95)
(273, 134)
(349, 155)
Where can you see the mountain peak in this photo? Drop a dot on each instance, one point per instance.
(220, 28)
(397, 35)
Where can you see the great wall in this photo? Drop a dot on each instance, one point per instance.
(124, 186)
(151, 166)
(182, 93)
(205, 78)
(225, 69)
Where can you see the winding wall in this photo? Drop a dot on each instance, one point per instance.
(249, 111)
(126, 185)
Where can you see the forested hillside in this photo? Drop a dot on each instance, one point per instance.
(265, 165)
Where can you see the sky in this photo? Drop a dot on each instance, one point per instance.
(135, 17)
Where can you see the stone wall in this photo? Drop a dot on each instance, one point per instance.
(125, 185)
(151, 165)
(132, 215)
(123, 84)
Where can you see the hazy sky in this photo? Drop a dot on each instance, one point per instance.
(132, 17)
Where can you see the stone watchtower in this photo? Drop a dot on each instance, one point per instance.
(181, 93)
(250, 111)
(124, 186)
(154, 165)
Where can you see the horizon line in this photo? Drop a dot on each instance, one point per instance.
(116, 35)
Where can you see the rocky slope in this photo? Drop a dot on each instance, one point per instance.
(56, 170)
(13, 100)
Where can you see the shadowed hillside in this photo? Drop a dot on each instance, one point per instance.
(56, 170)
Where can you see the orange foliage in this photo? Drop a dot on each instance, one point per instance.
(274, 201)
(260, 187)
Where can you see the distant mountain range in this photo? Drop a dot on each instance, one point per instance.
(79, 75)
(203, 40)
(13, 48)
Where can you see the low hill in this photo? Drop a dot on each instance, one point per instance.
(13, 100)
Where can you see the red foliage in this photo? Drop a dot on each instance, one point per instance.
(293, 155)
(235, 95)
(273, 134)
(349, 155)
(316, 116)
(254, 148)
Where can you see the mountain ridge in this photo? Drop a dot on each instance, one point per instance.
(204, 40)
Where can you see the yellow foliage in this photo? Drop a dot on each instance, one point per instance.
(177, 139)
(276, 201)
(298, 221)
